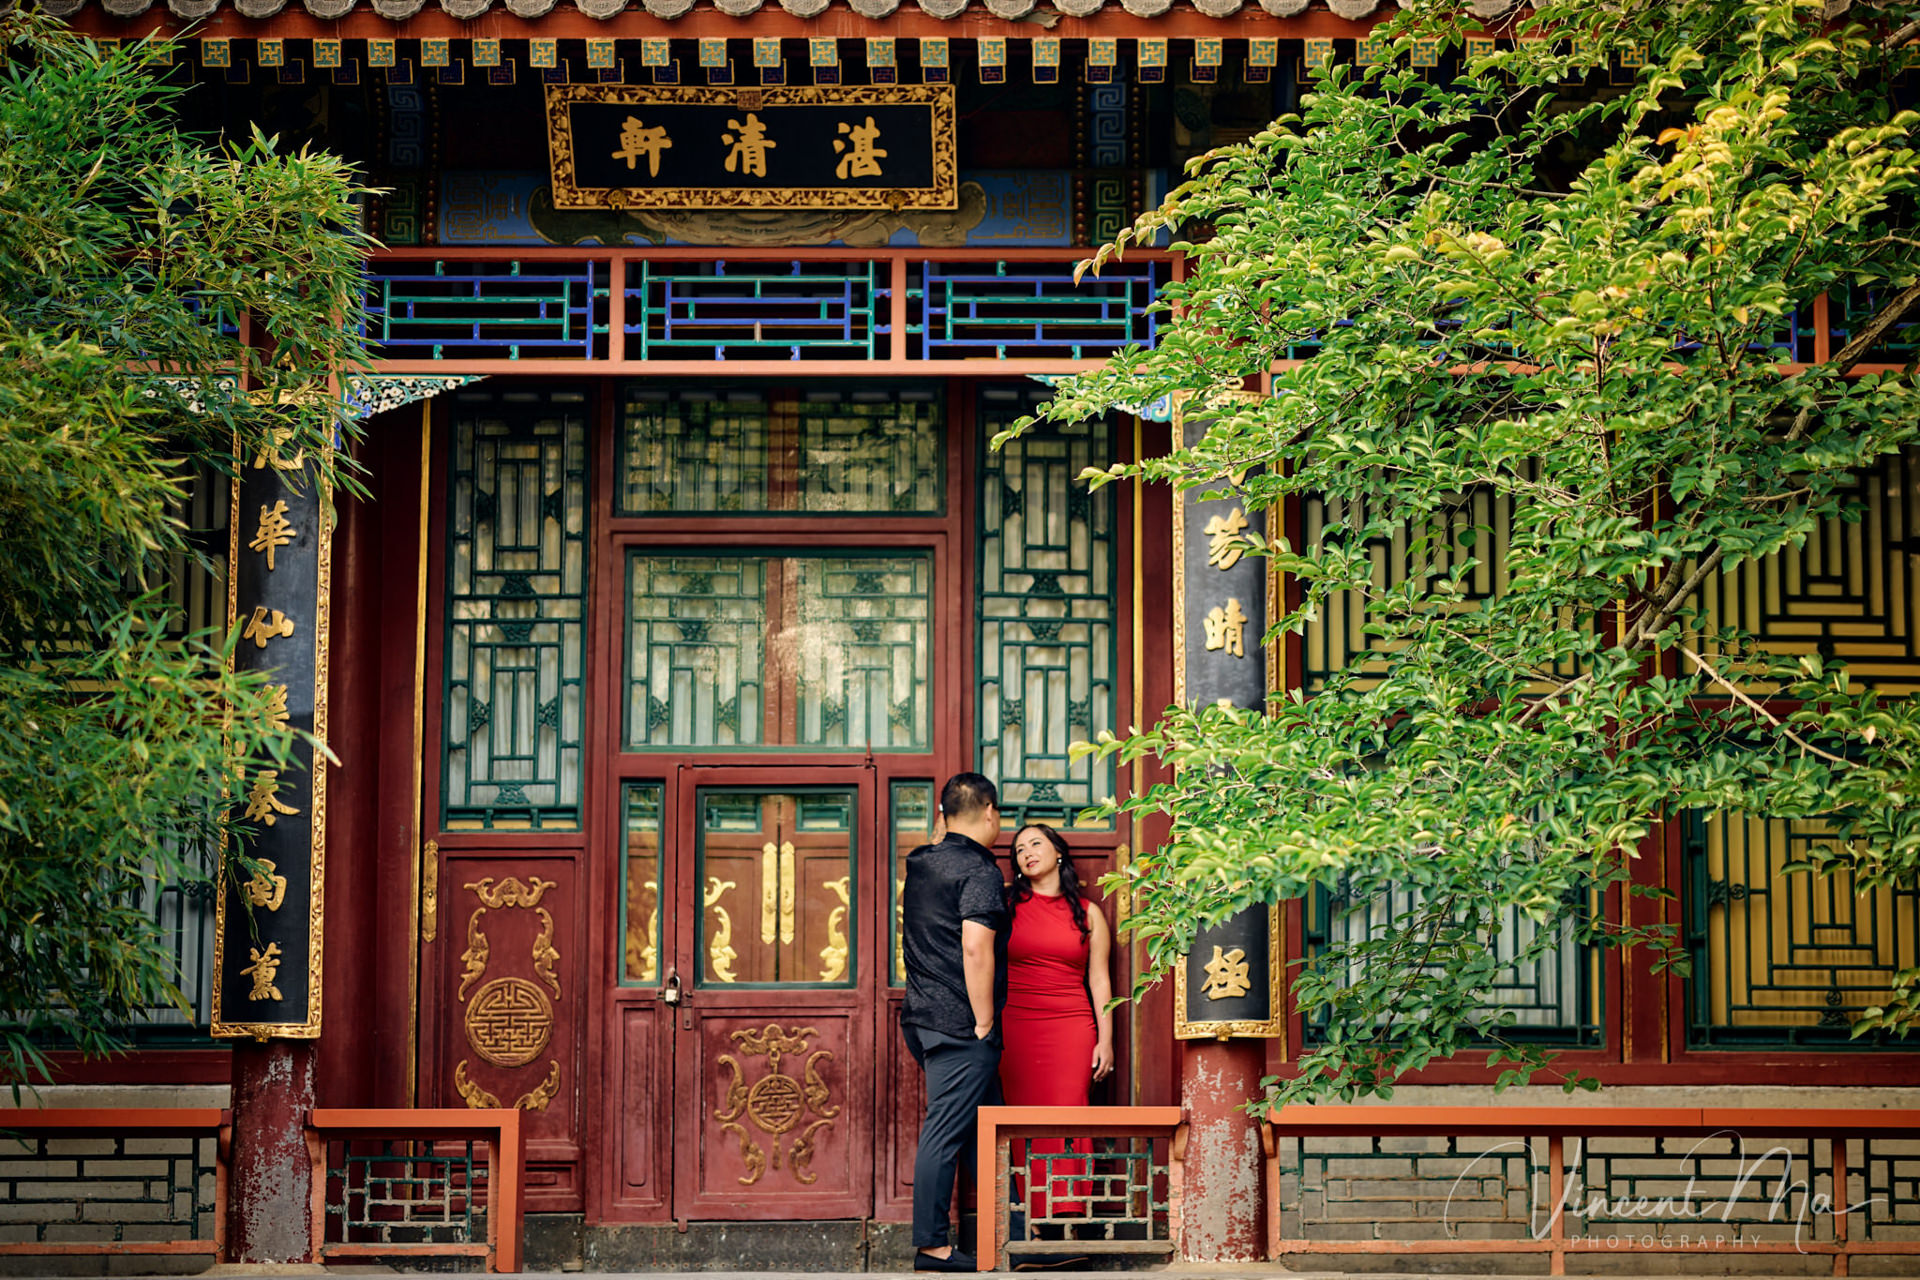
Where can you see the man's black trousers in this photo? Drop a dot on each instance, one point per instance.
(963, 1075)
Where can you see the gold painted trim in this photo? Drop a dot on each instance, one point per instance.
(1273, 1027)
(425, 897)
(1179, 428)
(317, 845)
(568, 194)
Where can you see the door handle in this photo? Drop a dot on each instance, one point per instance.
(769, 891)
(788, 892)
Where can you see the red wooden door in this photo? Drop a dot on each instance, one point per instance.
(776, 982)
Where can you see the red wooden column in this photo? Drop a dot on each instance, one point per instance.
(1227, 990)
(1223, 1203)
(270, 1175)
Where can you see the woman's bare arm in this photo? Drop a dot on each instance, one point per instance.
(1100, 986)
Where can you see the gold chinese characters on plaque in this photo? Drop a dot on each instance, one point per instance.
(623, 146)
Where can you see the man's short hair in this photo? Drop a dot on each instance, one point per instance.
(967, 794)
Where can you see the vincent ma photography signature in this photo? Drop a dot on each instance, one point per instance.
(1599, 1218)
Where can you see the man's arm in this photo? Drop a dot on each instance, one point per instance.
(976, 949)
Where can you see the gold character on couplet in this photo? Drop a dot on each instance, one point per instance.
(277, 707)
(1227, 975)
(1227, 628)
(270, 455)
(262, 628)
(266, 889)
(750, 146)
(275, 531)
(264, 969)
(263, 802)
(859, 158)
(1222, 550)
(637, 140)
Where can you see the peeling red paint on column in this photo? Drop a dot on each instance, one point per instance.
(270, 1181)
(1223, 1206)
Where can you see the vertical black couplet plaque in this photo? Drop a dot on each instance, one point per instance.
(268, 946)
(1229, 984)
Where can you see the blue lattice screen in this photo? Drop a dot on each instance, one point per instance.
(1047, 602)
(516, 609)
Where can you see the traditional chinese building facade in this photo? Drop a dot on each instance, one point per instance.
(688, 575)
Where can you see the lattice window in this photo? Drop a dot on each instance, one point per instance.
(826, 651)
(640, 908)
(786, 311)
(1047, 601)
(1785, 958)
(912, 807)
(1851, 592)
(870, 450)
(516, 603)
(448, 310)
(1556, 997)
(196, 579)
(974, 310)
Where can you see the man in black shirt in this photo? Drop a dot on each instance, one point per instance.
(953, 912)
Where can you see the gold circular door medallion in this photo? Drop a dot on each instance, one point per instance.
(776, 1103)
(509, 1022)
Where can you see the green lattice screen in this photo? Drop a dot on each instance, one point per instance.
(738, 652)
(1556, 997)
(516, 603)
(1047, 602)
(870, 450)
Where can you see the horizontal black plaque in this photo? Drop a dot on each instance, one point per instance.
(614, 146)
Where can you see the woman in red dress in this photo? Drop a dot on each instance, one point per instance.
(1056, 1028)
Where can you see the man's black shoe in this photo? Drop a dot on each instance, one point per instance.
(955, 1261)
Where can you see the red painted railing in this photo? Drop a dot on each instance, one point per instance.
(1001, 1127)
(431, 1130)
(1671, 1180)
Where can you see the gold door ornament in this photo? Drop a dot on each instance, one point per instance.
(536, 1099)
(833, 956)
(509, 1021)
(777, 1103)
(720, 952)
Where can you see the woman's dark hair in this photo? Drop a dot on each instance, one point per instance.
(1069, 878)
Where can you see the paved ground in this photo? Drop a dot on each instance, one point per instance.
(1223, 1272)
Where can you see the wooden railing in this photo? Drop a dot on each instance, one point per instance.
(1126, 1198)
(1389, 1180)
(404, 1182)
(114, 1180)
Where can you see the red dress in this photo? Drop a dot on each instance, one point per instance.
(1049, 1033)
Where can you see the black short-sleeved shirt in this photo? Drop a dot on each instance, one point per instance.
(947, 883)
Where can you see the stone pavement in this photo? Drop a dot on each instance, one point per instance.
(1237, 1271)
